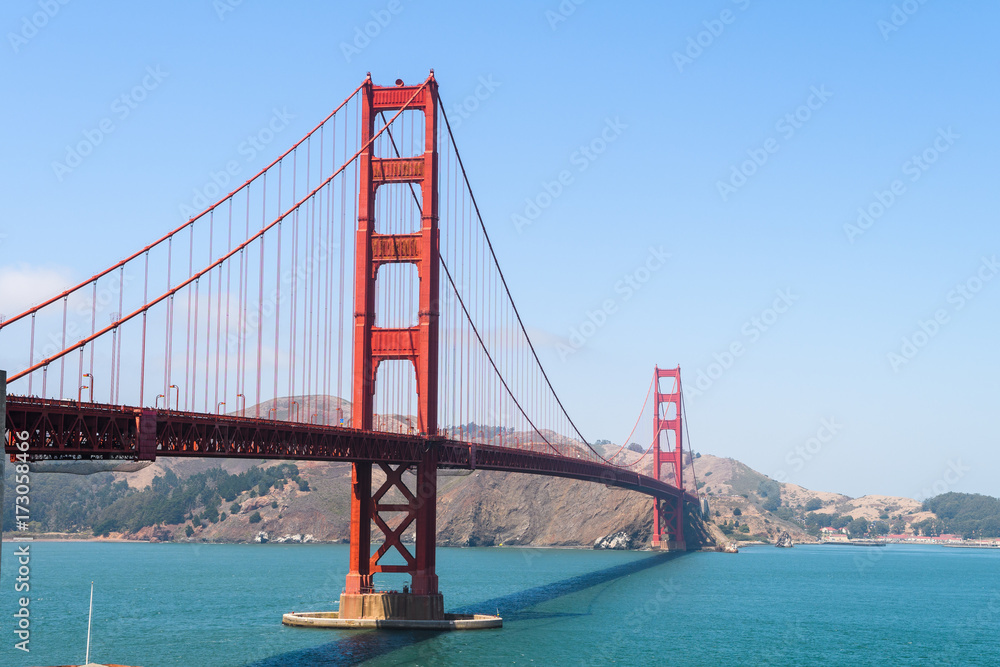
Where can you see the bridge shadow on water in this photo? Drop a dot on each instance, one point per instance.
(358, 646)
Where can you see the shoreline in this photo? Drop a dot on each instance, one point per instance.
(60, 537)
(16, 537)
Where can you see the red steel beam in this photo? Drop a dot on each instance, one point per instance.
(68, 430)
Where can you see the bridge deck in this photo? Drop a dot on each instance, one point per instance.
(70, 430)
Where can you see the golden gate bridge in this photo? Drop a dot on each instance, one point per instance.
(356, 263)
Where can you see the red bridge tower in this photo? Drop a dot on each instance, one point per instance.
(668, 513)
(419, 345)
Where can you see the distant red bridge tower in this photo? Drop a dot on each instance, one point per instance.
(668, 513)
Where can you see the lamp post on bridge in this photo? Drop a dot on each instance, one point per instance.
(79, 396)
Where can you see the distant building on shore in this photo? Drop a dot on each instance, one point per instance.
(925, 539)
(831, 534)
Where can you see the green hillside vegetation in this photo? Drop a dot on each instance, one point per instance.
(170, 500)
(70, 503)
(746, 481)
(971, 515)
(63, 503)
(764, 493)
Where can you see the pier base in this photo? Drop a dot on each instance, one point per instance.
(396, 606)
(391, 611)
(669, 545)
(331, 619)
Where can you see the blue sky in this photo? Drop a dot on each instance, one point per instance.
(686, 94)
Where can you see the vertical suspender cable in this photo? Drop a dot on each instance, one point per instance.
(277, 302)
(208, 308)
(260, 299)
(142, 363)
(62, 362)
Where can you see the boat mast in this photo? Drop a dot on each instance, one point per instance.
(89, 619)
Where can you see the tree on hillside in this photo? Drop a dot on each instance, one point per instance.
(971, 514)
(857, 527)
(813, 504)
(820, 520)
(930, 527)
(212, 514)
(768, 488)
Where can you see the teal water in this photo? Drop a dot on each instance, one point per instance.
(182, 604)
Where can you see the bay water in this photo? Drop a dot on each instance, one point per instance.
(206, 605)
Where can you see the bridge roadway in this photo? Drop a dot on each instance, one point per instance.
(71, 430)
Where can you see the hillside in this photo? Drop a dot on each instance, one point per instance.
(478, 509)
(482, 508)
(737, 494)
